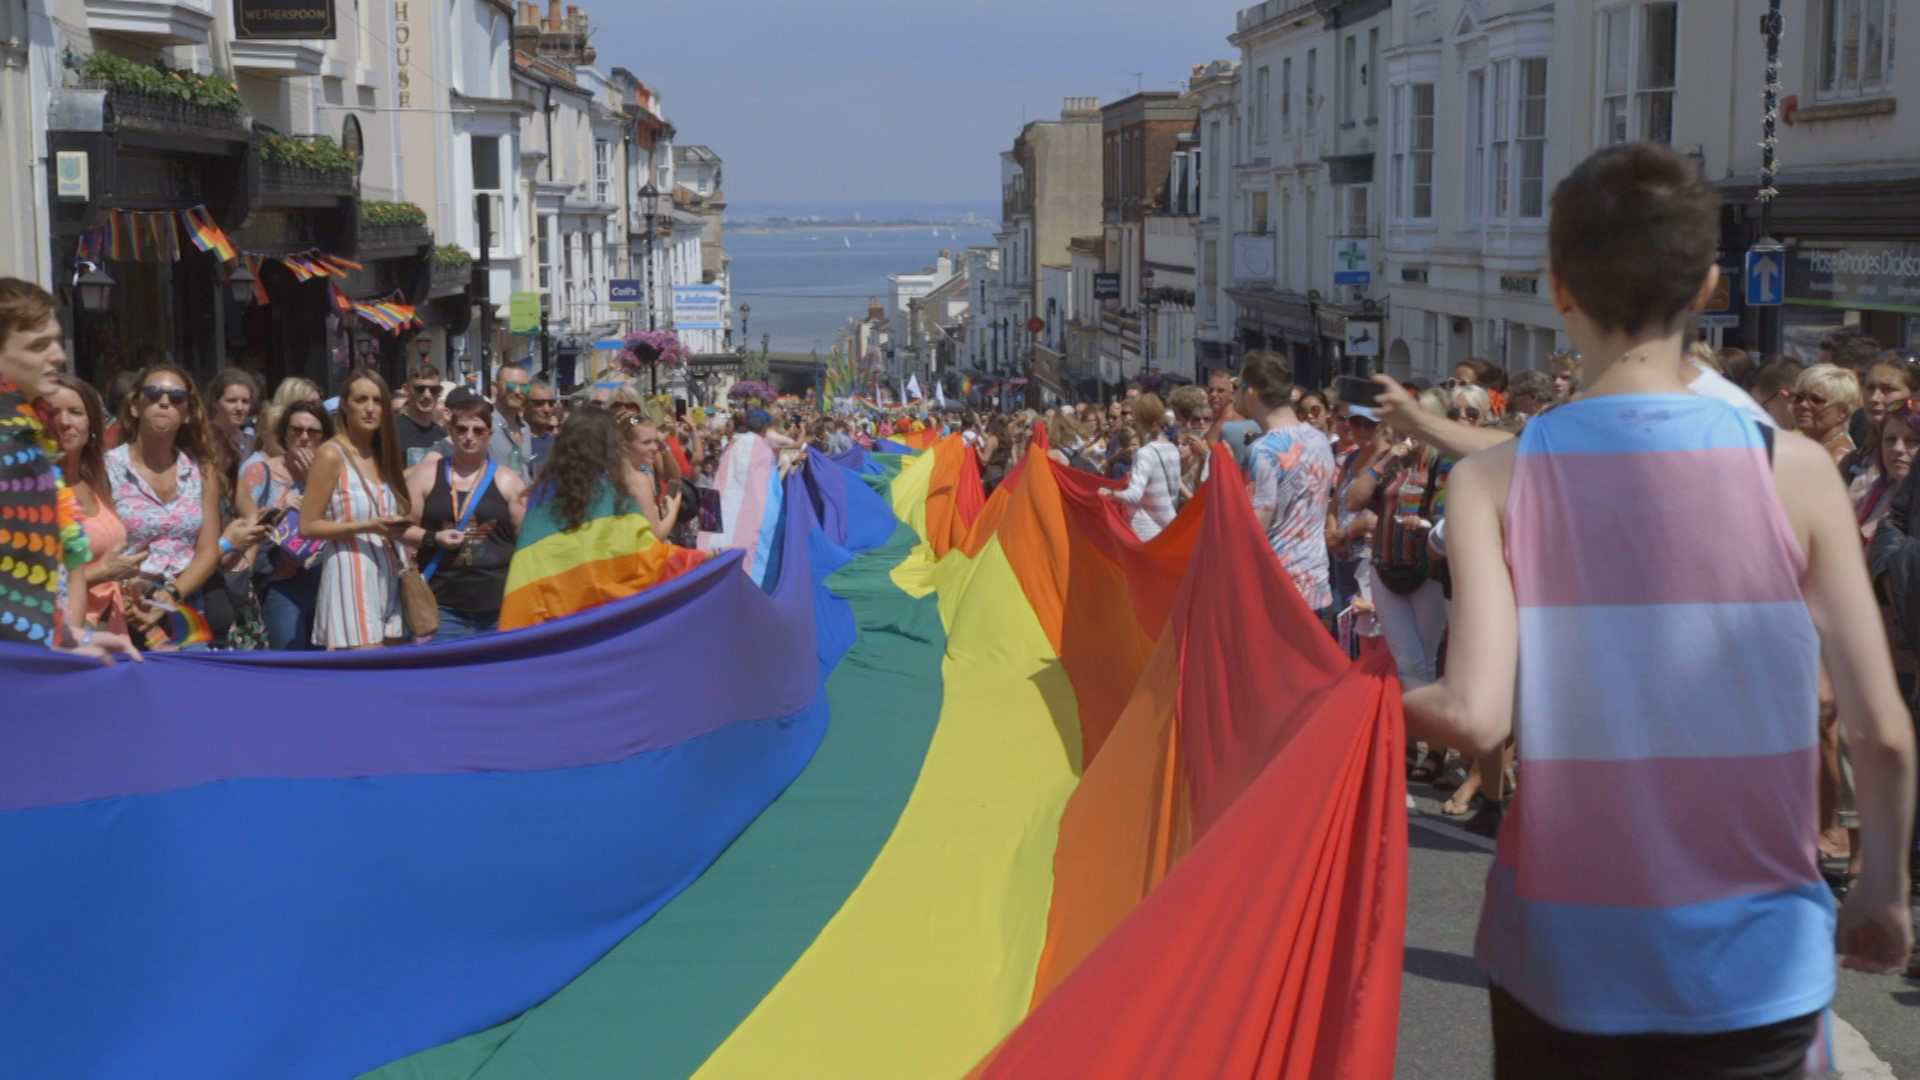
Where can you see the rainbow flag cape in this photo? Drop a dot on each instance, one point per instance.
(966, 786)
(614, 555)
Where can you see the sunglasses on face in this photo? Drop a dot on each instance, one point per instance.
(515, 387)
(1313, 412)
(1809, 399)
(539, 401)
(1464, 414)
(174, 396)
(474, 430)
(426, 389)
(303, 432)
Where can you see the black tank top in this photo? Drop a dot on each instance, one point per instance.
(474, 578)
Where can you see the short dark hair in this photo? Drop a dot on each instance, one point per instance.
(1537, 385)
(23, 306)
(303, 408)
(1737, 364)
(1857, 353)
(1269, 376)
(425, 369)
(1777, 374)
(1635, 230)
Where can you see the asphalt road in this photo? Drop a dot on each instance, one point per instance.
(1443, 1002)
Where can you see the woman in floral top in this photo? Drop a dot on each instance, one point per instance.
(165, 495)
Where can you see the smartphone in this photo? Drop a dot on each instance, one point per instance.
(1353, 390)
(271, 516)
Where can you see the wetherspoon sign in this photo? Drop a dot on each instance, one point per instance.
(1875, 275)
(283, 19)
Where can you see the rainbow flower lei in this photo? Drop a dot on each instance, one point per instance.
(76, 552)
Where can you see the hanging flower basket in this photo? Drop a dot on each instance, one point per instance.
(751, 391)
(650, 347)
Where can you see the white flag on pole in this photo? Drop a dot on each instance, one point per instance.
(939, 394)
(913, 388)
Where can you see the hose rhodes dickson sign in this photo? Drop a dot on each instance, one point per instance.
(283, 19)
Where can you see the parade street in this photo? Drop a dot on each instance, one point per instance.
(1443, 999)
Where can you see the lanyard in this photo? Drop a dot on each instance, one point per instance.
(473, 503)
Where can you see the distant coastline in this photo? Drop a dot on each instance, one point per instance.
(853, 227)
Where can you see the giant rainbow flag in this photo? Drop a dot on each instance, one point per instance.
(964, 786)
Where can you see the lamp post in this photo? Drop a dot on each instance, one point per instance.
(1771, 25)
(239, 284)
(1313, 318)
(546, 345)
(746, 315)
(1147, 301)
(649, 209)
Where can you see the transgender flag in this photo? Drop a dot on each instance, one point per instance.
(748, 480)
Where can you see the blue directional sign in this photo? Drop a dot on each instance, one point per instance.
(623, 292)
(1766, 277)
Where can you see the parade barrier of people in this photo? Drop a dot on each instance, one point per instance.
(961, 784)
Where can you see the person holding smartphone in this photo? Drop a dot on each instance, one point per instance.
(356, 503)
(274, 485)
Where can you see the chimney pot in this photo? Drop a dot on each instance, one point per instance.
(553, 16)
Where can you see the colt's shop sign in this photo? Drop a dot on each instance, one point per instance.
(285, 19)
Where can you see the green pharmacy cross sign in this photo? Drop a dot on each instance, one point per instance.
(1354, 259)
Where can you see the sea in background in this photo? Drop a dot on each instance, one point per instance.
(804, 284)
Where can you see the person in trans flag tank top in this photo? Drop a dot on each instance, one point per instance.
(1646, 583)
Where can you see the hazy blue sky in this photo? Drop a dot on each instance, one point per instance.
(871, 100)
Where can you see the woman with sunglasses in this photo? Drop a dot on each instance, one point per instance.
(168, 493)
(418, 421)
(1824, 399)
(79, 422)
(470, 510)
(356, 503)
(1311, 407)
(272, 486)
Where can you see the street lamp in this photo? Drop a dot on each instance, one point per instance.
(96, 290)
(746, 314)
(1147, 302)
(240, 283)
(649, 209)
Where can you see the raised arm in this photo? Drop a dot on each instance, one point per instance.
(1471, 707)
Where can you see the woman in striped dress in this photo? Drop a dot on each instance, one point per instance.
(356, 502)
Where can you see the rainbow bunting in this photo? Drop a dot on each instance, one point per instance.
(206, 234)
(961, 786)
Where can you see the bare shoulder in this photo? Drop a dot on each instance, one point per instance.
(1485, 473)
(329, 455)
(509, 482)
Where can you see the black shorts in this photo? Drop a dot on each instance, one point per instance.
(1525, 1046)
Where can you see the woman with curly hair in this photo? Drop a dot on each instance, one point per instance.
(166, 486)
(585, 541)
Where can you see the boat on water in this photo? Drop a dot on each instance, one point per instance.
(848, 240)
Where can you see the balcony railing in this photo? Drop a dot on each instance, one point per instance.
(395, 235)
(159, 112)
(276, 177)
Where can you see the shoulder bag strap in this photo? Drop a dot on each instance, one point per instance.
(479, 492)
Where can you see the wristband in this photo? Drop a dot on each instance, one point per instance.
(226, 546)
